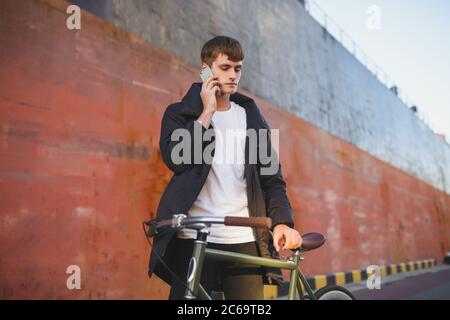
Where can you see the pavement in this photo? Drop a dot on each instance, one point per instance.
(426, 284)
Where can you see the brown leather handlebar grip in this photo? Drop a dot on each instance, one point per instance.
(257, 222)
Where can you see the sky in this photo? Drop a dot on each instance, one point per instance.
(410, 41)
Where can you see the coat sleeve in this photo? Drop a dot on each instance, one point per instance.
(274, 187)
(172, 121)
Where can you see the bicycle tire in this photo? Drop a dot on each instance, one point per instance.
(334, 292)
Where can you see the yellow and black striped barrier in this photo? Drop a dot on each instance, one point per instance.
(354, 276)
(341, 278)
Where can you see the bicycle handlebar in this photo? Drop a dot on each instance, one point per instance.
(257, 222)
(180, 220)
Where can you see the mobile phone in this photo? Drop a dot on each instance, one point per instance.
(206, 73)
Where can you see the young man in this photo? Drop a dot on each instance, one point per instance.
(238, 188)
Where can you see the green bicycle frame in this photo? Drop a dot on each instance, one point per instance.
(195, 290)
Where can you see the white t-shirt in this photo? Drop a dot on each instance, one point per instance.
(224, 192)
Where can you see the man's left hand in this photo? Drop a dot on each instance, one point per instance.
(291, 237)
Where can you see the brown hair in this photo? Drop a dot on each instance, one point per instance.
(221, 44)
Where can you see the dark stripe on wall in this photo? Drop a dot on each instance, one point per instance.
(388, 270)
(331, 279)
(348, 277)
(363, 274)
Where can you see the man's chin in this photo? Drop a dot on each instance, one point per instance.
(229, 90)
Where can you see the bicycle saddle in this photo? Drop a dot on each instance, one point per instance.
(312, 240)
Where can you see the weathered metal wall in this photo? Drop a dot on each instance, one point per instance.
(80, 169)
(295, 64)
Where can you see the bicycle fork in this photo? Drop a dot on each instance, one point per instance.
(194, 289)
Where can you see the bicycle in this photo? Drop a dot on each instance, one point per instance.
(194, 290)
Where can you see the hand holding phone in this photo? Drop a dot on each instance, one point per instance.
(210, 90)
(208, 94)
(206, 72)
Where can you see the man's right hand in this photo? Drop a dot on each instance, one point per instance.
(208, 94)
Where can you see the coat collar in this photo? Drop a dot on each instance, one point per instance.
(191, 103)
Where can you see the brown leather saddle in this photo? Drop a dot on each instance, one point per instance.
(312, 241)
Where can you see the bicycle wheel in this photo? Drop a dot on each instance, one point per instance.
(334, 293)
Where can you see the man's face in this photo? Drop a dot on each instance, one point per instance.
(229, 73)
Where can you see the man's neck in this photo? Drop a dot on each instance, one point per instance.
(223, 102)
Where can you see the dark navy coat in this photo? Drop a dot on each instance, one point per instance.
(266, 193)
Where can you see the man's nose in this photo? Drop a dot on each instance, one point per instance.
(233, 75)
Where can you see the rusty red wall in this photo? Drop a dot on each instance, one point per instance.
(80, 168)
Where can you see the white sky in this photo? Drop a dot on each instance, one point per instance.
(412, 46)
